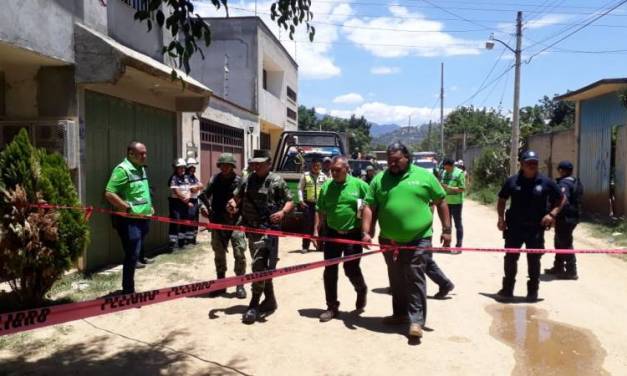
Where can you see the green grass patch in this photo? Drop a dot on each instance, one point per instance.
(77, 287)
(486, 195)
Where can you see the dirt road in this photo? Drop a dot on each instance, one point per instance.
(577, 329)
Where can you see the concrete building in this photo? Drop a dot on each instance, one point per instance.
(601, 136)
(85, 78)
(251, 75)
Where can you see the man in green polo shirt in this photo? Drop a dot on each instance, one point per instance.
(128, 191)
(339, 207)
(400, 198)
(454, 183)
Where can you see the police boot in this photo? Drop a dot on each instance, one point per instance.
(269, 302)
(507, 291)
(217, 293)
(532, 291)
(251, 314)
(240, 292)
(333, 309)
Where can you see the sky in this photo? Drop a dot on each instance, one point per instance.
(382, 59)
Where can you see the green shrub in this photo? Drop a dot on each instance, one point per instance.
(490, 168)
(485, 195)
(37, 246)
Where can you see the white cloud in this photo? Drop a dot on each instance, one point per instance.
(314, 59)
(322, 110)
(544, 21)
(384, 113)
(411, 34)
(350, 98)
(384, 71)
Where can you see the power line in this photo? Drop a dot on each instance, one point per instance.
(496, 79)
(577, 30)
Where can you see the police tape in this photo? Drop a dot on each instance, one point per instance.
(18, 321)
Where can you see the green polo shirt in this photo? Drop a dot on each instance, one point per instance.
(130, 182)
(403, 203)
(338, 202)
(456, 179)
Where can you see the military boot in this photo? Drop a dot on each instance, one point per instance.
(507, 291)
(532, 290)
(269, 302)
(240, 292)
(251, 314)
(217, 293)
(333, 309)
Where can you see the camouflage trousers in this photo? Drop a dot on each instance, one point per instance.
(265, 255)
(220, 242)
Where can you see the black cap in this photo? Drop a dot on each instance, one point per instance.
(529, 155)
(565, 165)
(260, 156)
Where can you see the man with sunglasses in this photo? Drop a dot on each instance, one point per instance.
(535, 203)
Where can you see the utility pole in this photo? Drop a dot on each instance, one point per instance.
(513, 156)
(442, 110)
(513, 162)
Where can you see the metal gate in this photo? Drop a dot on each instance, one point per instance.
(215, 139)
(110, 124)
(621, 172)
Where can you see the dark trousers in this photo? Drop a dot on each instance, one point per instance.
(352, 270)
(455, 212)
(180, 211)
(564, 240)
(433, 271)
(193, 215)
(309, 218)
(516, 238)
(132, 233)
(407, 280)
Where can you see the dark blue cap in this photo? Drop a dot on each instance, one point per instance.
(565, 165)
(529, 155)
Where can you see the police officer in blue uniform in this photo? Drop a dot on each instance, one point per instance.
(565, 265)
(535, 203)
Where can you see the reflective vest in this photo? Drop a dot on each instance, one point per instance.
(137, 192)
(312, 186)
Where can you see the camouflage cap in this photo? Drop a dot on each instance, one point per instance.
(226, 158)
(260, 156)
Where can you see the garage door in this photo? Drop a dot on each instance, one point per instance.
(216, 139)
(110, 124)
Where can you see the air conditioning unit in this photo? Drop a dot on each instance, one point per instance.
(60, 136)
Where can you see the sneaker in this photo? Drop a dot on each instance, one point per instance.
(415, 330)
(329, 314)
(250, 316)
(444, 291)
(240, 292)
(395, 320)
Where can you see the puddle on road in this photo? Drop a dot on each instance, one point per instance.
(545, 347)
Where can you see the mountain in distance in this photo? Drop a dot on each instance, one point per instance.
(379, 129)
(407, 135)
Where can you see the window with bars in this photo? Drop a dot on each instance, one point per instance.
(264, 141)
(136, 4)
(291, 114)
(215, 133)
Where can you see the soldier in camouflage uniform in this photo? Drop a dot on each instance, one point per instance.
(264, 199)
(214, 198)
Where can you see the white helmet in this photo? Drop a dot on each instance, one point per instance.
(191, 162)
(180, 162)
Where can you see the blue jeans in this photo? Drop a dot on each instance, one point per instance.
(407, 280)
(132, 233)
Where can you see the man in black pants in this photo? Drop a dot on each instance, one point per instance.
(535, 203)
(565, 265)
(338, 207)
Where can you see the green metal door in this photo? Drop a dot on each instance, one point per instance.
(110, 124)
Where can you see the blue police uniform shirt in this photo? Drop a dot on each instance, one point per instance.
(531, 199)
(573, 190)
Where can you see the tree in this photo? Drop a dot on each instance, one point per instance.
(188, 29)
(357, 128)
(36, 245)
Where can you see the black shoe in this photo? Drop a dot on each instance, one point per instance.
(240, 292)
(361, 301)
(139, 265)
(532, 296)
(505, 294)
(146, 261)
(331, 313)
(250, 316)
(569, 276)
(444, 291)
(554, 271)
